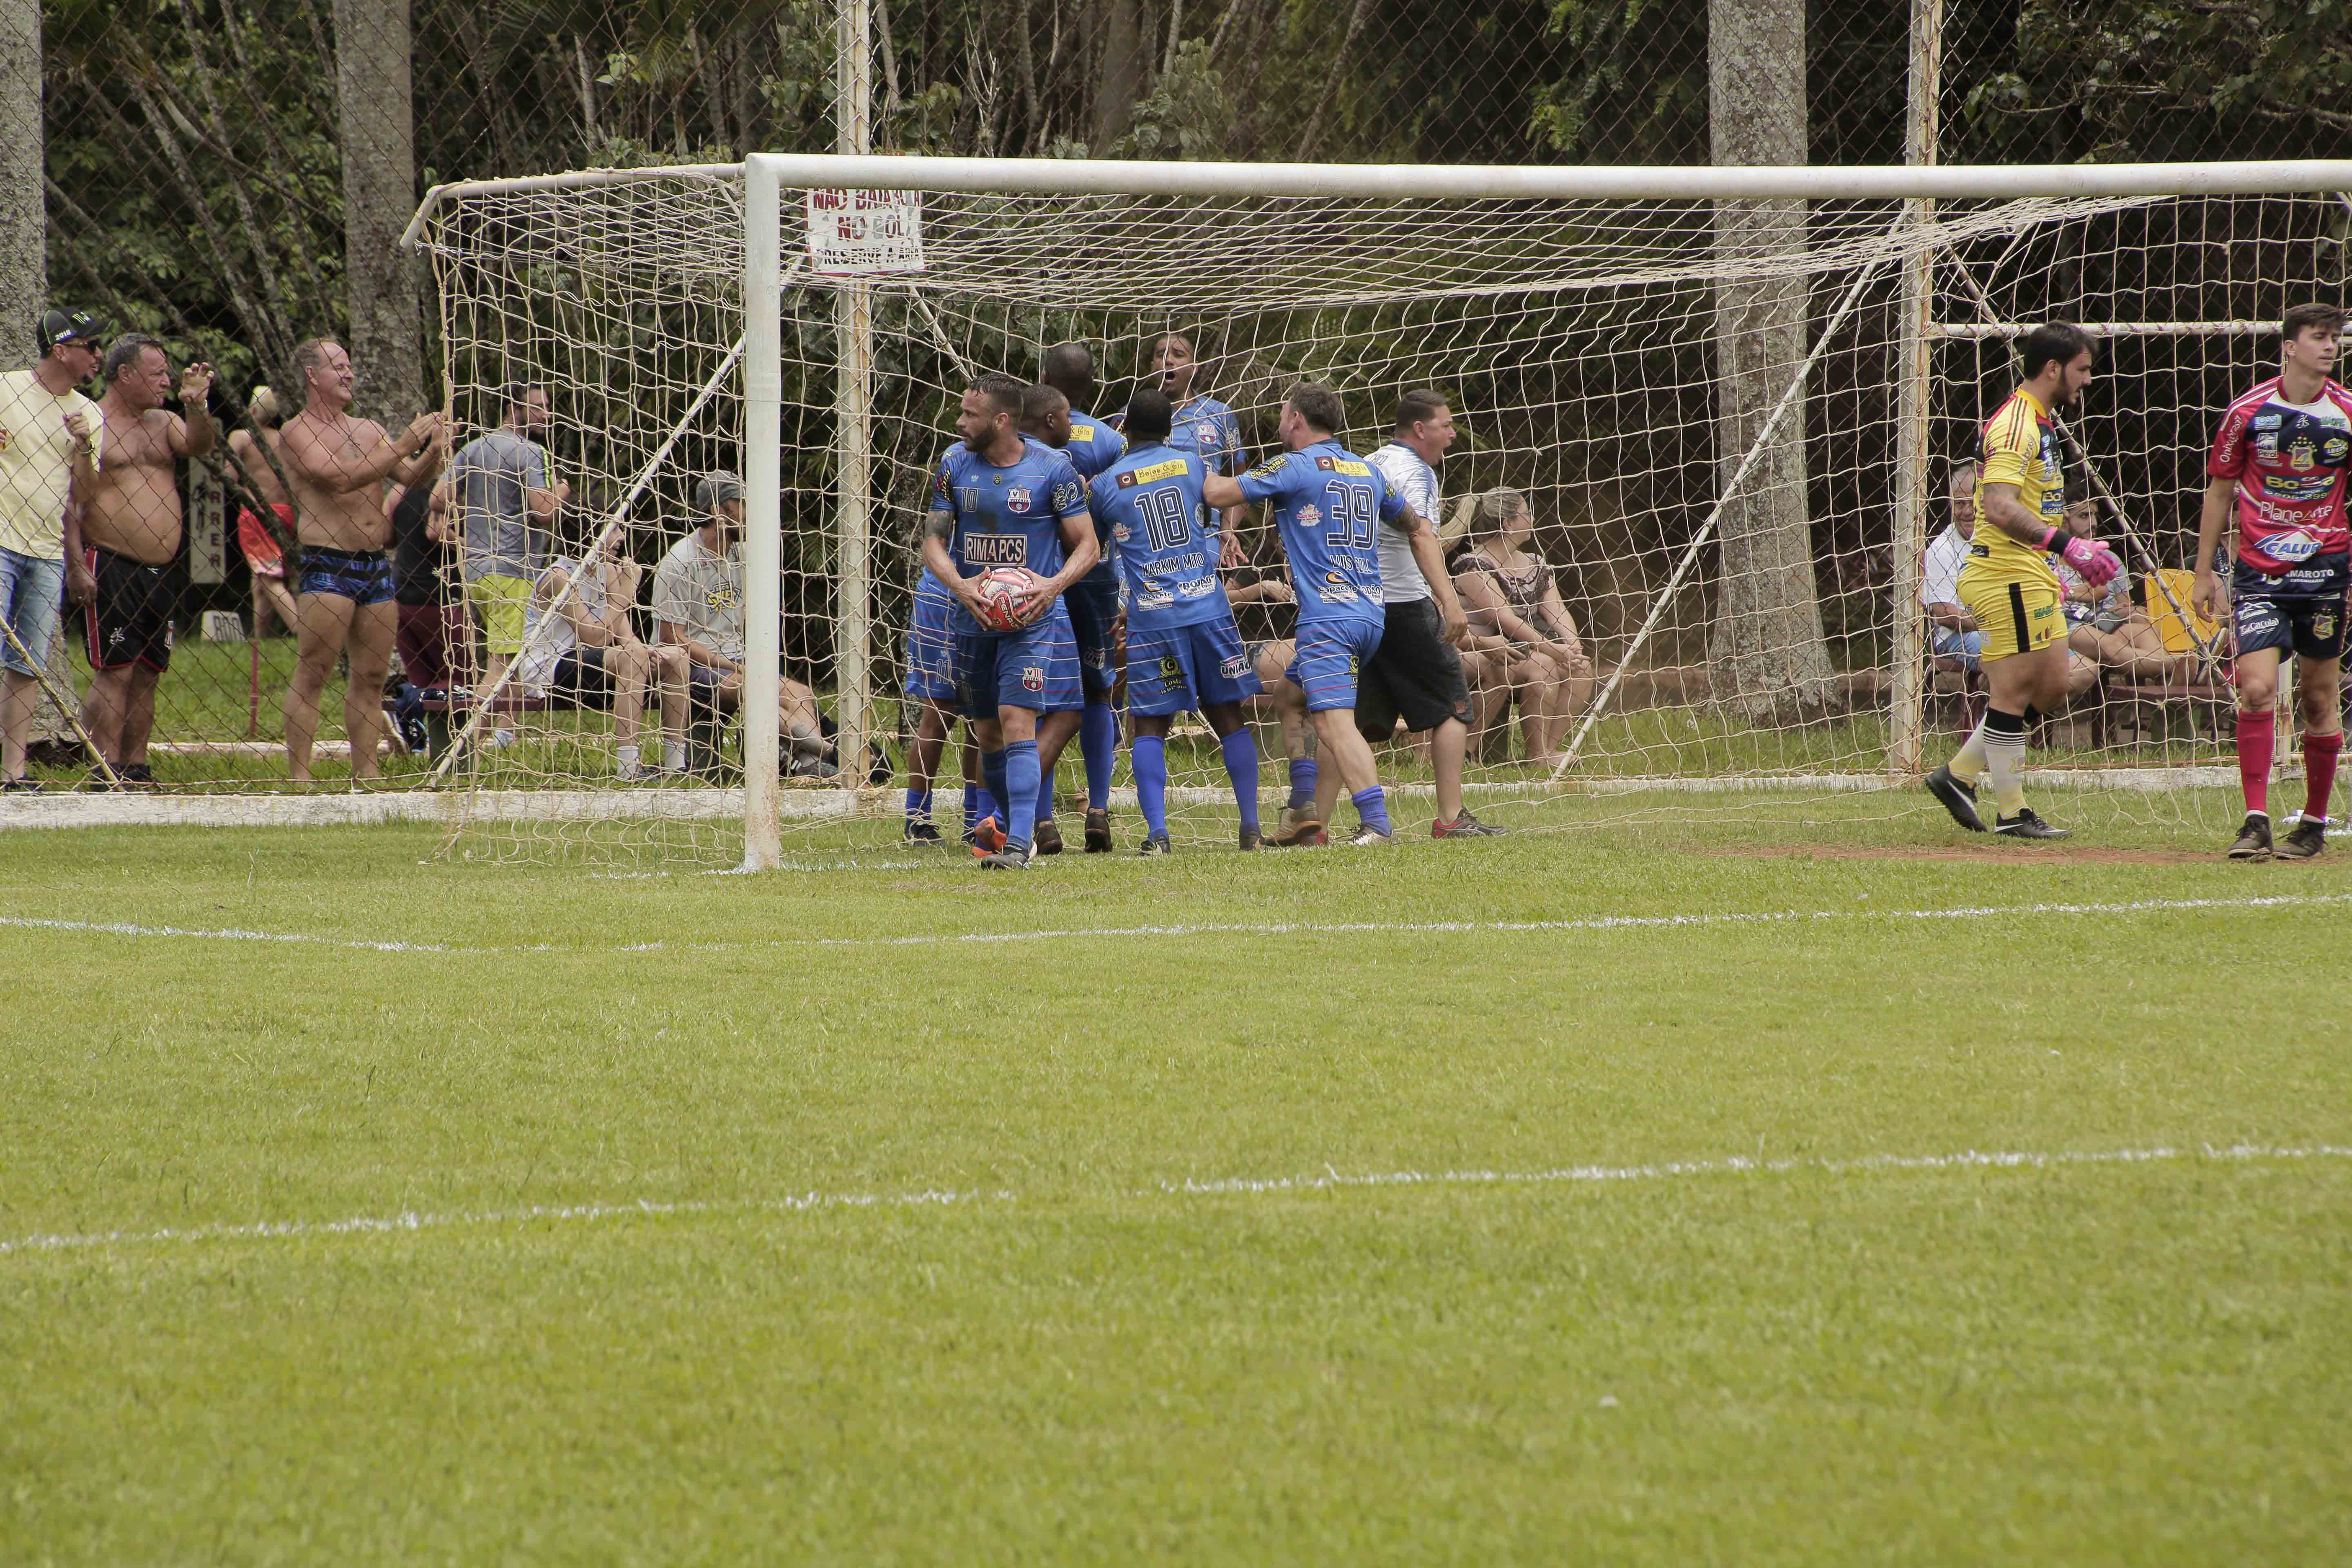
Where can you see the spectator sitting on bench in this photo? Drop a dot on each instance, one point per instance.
(1957, 641)
(698, 607)
(582, 648)
(2103, 625)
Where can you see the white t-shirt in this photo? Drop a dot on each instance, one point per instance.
(1939, 574)
(1400, 578)
(703, 592)
(37, 454)
(548, 634)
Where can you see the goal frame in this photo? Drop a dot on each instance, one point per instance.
(766, 178)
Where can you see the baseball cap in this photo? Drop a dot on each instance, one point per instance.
(714, 490)
(71, 327)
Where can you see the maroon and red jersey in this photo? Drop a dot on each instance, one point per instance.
(2290, 461)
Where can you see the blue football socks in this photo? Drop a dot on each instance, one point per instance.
(1373, 807)
(1241, 766)
(1046, 796)
(1302, 783)
(1148, 756)
(1099, 745)
(1018, 762)
(918, 805)
(991, 768)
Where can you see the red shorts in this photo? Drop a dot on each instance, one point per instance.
(261, 551)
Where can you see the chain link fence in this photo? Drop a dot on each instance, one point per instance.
(226, 177)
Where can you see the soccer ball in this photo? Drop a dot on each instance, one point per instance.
(1002, 589)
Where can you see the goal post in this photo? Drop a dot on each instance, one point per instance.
(1571, 312)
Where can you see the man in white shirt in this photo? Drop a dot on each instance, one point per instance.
(1417, 674)
(581, 644)
(1954, 630)
(50, 436)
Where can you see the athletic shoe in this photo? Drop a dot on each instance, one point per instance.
(1465, 825)
(1294, 816)
(2304, 840)
(986, 837)
(96, 779)
(1958, 798)
(1098, 831)
(2254, 838)
(136, 775)
(1298, 831)
(1157, 845)
(811, 768)
(921, 834)
(2025, 825)
(1005, 860)
(1367, 838)
(1252, 840)
(631, 772)
(1048, 840)
(20, 785)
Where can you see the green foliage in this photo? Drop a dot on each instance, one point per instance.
(1187, 114)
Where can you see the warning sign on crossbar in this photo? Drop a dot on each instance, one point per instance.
(866, 231)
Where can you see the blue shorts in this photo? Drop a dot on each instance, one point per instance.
(1093, 604)
(362, 576)
(1328, 657)
(30, 589)
(1035, 667)
(1176, 669)
(2300, 613)
(930, 643)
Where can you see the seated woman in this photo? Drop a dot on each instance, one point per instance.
(2104, 628)
(1523, 643)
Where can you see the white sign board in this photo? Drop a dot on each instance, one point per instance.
(865, 231)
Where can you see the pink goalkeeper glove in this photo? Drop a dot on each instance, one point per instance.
(2094, 561)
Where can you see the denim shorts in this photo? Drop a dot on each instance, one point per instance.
(30, 589)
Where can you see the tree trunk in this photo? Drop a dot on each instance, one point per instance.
(387, 341)
(23, 221)
(1767, 651)
(1119, 76)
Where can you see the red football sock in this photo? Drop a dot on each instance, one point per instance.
(2319, 754)
(2257, 734)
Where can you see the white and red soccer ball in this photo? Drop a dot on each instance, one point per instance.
(1003, 595)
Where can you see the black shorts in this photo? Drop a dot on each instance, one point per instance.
(1415, 676)
(2300, 611)
(130, 619)
(580, 677)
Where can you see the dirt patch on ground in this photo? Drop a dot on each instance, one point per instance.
(2004, 854)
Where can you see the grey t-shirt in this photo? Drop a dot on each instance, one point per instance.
(703, 592)
(490, 476)
(1400, 578)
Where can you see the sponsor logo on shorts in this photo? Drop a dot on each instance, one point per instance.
(1017, 499)
(1170, 469)
(1032, 679)
(1231, 669)
(1172, 673)
(2043, 611)
(2253, 620)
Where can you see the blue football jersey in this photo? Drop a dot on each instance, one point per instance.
(1207, 429)
(1166, 540)
(1006, 517)
(1094, 445)
(1329, 504)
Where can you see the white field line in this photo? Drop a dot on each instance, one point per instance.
(1237, 928)
(1737, 1165)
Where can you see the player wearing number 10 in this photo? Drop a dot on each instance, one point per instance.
(1184, 650)
(1327, 502)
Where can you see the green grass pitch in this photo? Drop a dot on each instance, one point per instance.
(1577, 1196)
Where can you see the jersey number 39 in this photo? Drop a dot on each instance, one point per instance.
(1351, 515)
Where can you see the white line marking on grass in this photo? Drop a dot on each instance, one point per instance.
(1237, 927)
(376, 1225)
(275, 1230)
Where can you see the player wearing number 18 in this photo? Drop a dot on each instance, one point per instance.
(999, 500)
(2008, 585)
(1184, 651)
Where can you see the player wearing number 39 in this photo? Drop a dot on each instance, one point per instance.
(1328, 504)
(2008, 585)
(1184, 651)
(999, 500)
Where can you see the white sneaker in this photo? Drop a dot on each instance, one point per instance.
(1366, 837)
(633, 772)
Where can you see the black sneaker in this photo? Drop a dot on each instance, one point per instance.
(20, 785)
(1958, 798)
(1005, 859)
(2025, 825)
(2254, 838)
(97, 780)
(136, 775)
(1048, 840)
(920, 831)
(1252, 841)
(1157, 845)
(1099, 832)
(2304, 840)
(1464, 825)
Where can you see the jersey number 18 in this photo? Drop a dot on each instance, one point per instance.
(1164, 522)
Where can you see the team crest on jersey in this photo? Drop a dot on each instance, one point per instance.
(1016, 500)
(1308, 516)
(1205, 432)
(1118, 529)
(1032, 679)
(2303, 455)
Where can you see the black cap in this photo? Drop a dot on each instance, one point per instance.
(71, 327)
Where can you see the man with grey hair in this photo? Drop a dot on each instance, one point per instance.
(698, 607)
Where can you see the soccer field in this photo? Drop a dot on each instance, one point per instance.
(1781, 1183)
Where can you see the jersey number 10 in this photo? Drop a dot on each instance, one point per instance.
(1351, 515)
(1164, 522)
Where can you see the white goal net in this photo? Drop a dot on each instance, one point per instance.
(1706, 444)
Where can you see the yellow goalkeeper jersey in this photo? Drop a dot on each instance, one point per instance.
(2020, 446)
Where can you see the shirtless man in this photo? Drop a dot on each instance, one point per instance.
(130, 536)
(337, 465)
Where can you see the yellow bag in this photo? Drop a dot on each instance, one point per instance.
(2167, 624)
